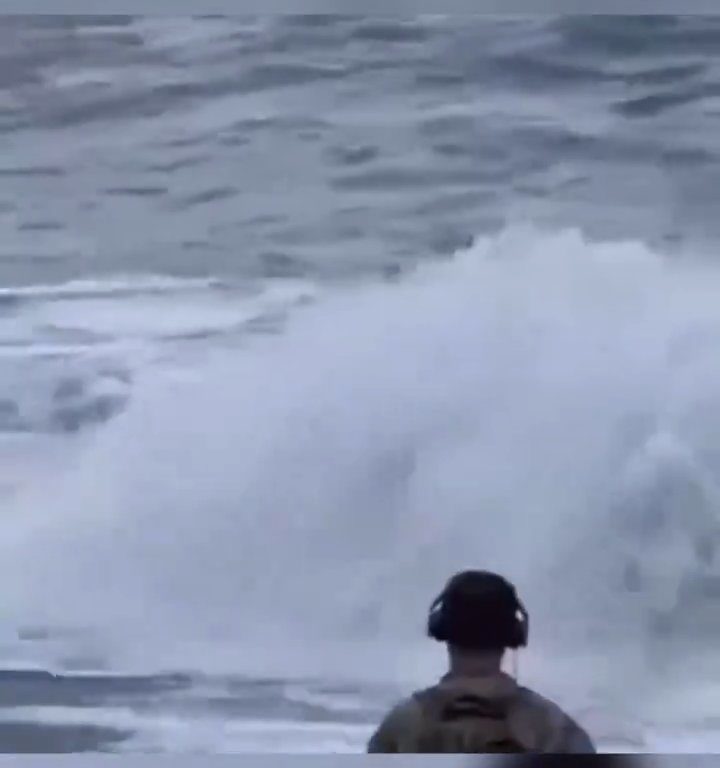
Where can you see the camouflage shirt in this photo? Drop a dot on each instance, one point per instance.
(479, 715)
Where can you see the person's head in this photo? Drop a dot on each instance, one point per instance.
(478, 612)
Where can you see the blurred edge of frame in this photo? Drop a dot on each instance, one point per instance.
(597, 761)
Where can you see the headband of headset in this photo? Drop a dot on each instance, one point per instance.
(478, 609)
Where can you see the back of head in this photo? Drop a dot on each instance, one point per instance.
(479, 611)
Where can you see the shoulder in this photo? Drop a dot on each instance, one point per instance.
(552, 729)
(401, 721)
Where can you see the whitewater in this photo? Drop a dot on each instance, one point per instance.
(284, 511)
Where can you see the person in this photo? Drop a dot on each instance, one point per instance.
(476, 707)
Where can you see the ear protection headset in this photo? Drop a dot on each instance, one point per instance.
(492, 612)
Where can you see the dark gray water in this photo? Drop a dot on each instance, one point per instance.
(331, 146)
(171, 187)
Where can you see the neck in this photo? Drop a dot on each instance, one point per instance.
(474, 663)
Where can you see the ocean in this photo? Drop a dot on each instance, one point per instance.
(299, 315)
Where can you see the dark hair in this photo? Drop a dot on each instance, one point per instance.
(479, 610)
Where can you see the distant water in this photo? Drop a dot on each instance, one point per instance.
(291, 307)
(155, 169)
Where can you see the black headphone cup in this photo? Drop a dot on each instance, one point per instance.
(522, 624)
(436, 621)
